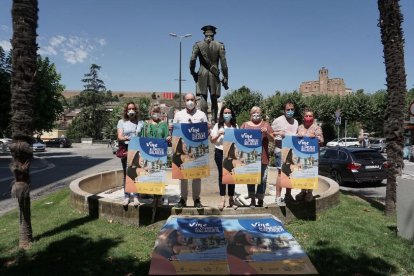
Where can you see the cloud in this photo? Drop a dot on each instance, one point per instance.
(6, 45)
(4, 28)
(73, 49)
(75, 56)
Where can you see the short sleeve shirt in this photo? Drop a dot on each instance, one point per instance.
(196, 116)
(129, 128)
(281, 123)
(314, 130)
(214, 132)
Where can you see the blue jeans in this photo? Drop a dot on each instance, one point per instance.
(278, 159)
(261, 188)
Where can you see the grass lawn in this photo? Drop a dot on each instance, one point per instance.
(351, 239)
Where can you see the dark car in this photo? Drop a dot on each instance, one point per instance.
(353, 165)
(59, 143)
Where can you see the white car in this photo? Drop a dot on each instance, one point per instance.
(344, 142)
(38, 146)
(4, 144)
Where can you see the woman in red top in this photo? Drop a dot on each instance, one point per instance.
(256, 122)
(312, 130)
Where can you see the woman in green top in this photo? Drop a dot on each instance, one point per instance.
(154, 127)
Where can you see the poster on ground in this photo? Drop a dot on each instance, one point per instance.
(242, 151)
(190, 151)
(231, 245)
(146, 166)
(300, 157)
(190, 246)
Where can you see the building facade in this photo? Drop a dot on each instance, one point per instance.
(324, 86)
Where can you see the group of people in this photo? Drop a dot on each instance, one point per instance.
(131, 125)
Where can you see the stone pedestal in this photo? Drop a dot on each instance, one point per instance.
(405, 207)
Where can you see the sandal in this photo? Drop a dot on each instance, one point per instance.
(232, 204)
(221, 205)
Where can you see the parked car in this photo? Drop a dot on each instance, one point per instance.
(38, 146)
(378, 144)
(59, 143)
(4, 144)
(344, 142)
(352, 164)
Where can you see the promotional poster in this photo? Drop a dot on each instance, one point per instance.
(146, 166)
(242, 149)
(232, 245)
(299, 162)
(190, 151)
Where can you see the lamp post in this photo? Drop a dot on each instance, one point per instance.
(180, 37)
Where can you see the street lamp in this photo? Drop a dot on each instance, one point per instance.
(180, 37)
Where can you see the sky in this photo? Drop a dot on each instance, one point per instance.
(271, 45)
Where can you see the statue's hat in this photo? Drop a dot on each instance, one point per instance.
(209, 29)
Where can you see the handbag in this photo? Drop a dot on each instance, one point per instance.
(122, 150)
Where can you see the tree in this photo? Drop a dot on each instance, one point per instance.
(48, 94)
(242, 100)
(94, 115)
(25, 17)
(393, 41)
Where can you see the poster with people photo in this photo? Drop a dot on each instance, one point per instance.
(230, 245)
(191, 246)
(146, 166)
(190, 151)
(260, 244)
(242, 151)
(300, 157)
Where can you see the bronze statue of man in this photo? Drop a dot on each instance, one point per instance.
(209, 52)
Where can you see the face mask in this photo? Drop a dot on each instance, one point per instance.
(308, 121)
(290, 113)
(227, 117)
(256, 117)
(131, 113)
(190, 105)
(155, 116)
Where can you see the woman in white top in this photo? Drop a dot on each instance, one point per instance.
(227, 119)
(128, 127)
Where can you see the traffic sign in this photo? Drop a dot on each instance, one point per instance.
(338, 121)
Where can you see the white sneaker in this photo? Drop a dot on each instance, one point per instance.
(125, 202)
(136, 202)
(280, 201)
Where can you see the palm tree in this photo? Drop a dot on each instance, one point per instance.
(392, 38)
(24, 15)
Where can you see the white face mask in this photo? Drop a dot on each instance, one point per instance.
(256, 117)
(131, 113)
(155, 116)
(190, 104)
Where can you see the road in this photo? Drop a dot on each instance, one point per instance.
(56, 168)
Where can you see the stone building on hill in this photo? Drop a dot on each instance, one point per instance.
(324, 86)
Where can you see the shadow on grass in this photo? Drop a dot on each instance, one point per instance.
(374, 203)
(329, 260)
(65, 227)
(74, 255)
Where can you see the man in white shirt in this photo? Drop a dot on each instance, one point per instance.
(190, 115)
(283, 125)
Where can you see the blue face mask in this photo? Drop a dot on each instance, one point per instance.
(227, 117)
(290, 113)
